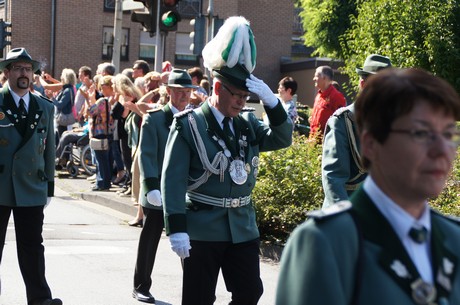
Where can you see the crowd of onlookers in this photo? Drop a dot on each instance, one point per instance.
(107, 107)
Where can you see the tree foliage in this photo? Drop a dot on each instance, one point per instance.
(324, 21)
(413, 33)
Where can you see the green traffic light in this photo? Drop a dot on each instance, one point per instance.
(169, 19)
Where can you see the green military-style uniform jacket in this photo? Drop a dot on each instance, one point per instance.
(341, 169)
(154, 134)
(26, 156)
(326, 262)
(182, 165)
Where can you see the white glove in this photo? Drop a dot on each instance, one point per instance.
(264, 92)
(154, 198)
(180, 243)
(48, 200)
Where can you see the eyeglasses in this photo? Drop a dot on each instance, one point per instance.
(242, 97)
(427, 137)
(21, 69)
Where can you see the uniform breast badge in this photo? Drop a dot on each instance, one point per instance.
(2, 116)
(238, 172)
(422, 292)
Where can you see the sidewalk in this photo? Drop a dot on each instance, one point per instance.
(81, 188)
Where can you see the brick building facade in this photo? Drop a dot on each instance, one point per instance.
(70, 34)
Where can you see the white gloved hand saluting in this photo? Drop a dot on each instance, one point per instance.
(264, 92)
(180, 243)
(154, 198)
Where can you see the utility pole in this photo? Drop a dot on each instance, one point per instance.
(159, 42)
(117, 34)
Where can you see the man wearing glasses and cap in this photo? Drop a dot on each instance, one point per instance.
(27, 150)
(342, 170)
(212, 157)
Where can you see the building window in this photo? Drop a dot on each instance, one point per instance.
(109, 5)
(147, 47)
(107, 44)
(183, 54)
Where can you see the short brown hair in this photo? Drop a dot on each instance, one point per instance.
(393, 93)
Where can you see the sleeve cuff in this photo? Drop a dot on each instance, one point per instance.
(175, 223)
(276, 115)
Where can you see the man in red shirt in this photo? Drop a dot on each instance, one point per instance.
(327, 100)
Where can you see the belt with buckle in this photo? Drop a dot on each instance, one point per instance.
(219, 202)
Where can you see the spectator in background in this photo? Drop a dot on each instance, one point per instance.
(140, 69)
(85, 76)
(101, 127)
(152, 87)
(287, 88)
(129, 73)
(342, 170)
(127, 95)
(64, 99)
(106, 68)
(386, 246)
(199, 95)
(327, 100)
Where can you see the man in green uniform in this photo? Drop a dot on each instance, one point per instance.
(154, 133)
(212, 156)
(342, 170)
(27, 150)
(387, 246)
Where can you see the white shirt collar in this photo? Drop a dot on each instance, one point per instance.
(16, 97)
(173, 109)
(400, 220)
(218, 115)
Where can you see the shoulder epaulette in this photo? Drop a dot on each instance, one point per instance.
(248, 109)
(340, 111)
(334, 209)
(39, 95)
(451, 218)
(182, 113)
(154, 109)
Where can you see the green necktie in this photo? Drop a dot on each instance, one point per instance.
(418, 235)
(227, 131)
(22, 109)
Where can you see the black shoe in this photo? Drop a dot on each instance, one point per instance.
(145, 297)
(100, 189)
(48, 302)
(136, 223)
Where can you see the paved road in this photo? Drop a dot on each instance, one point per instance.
(90, 254)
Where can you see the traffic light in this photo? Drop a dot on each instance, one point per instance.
(198, 34)
(169, 15)
(5, 32)
(148, 20)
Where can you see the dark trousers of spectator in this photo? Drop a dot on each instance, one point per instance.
(28, 226)
(147, 249)
(66, 138)
(116, 155)
(126, 155)
(104, 169)
(60, 131)
(240, 268)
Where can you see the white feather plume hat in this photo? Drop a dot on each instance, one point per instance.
(231, 54)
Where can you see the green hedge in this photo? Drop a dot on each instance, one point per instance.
(289, 185)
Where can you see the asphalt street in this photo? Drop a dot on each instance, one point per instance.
(90, 253)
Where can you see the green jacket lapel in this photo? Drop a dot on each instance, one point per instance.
(169, 115)
(376, 229)
(445, 263)
(33, 116)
